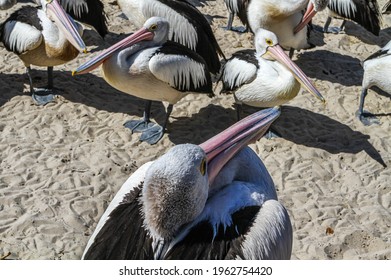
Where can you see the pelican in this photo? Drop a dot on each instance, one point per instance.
(188, 26)
(149, 66)
(364, 12)
(264, 77)
(6, 4)
(387, 8)
(89, 12)
(42, 37)
(280, 17)
(210, 201)
(377, 72)
(239, 8)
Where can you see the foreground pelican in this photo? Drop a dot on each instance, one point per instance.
(42, 37)
(377, 72)
(212, 201)
(188, 26)
(280, 17)
(364, 12)
(148, 66)
(264, 77)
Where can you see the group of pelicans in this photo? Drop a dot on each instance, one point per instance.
(215, 200)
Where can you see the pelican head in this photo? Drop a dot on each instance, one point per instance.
(64, 22)
(153, 33)
(267, 47)
(313, 7)
(178, 183)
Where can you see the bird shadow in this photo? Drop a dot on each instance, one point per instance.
(12, 85)
(356, 30)
(315, 130)
(297, 125)
(331, 66)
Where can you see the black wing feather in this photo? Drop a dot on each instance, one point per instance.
(199, 243)
(367, 14)
(207, 45)
(123, 236)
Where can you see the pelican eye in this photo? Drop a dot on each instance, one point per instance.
(203, 167)
(153, 27)
(269, 42)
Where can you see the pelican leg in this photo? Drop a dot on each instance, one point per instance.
(291, 52)
(42, 96)
(239, 109)
(153, 134)
(230, 20)
(327, 29)
(144, 123)
(365, 117)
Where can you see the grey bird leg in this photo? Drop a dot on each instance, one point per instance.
(153, 134)
(327, 29)
(241, 29)
(365, 117)
(144, 123)
(41, 96)
(230, 20)
(291, 52)
(238, 110)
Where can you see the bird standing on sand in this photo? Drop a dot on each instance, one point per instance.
(264, 77)
(42, 37)
(188, 26)
(364, 12)
(377, 72)
(239, 8)
(148, 66)
(212, 201)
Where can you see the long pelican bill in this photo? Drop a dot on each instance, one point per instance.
(308, 15)
(66, 24)
(278, 54)
(140, 35)
(222, 147)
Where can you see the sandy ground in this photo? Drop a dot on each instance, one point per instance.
(61, 164)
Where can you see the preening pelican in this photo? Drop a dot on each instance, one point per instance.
(377, 72)
(148, 66)
(364, 12)
(238, 8)
(280, 17)
(42, 37)
(188, 26)
(212, 201)
(264, 77)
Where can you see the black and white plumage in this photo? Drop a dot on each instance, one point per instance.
(212, 201)
(42, 37)
(281, 17)
(264, 77)
(387, 8)
(148, 66)
(237, 8)
(90, 12)
(188, 26)
(364, 12)
(377, 72)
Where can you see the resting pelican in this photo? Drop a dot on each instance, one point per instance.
(280, 17)
(212, 201)
(239, 8)
(377, 72)
(364, 12)
(387, 8)
(42, 37)
(148, 66)
(264, 77)
(6, 4)
(188, 26)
